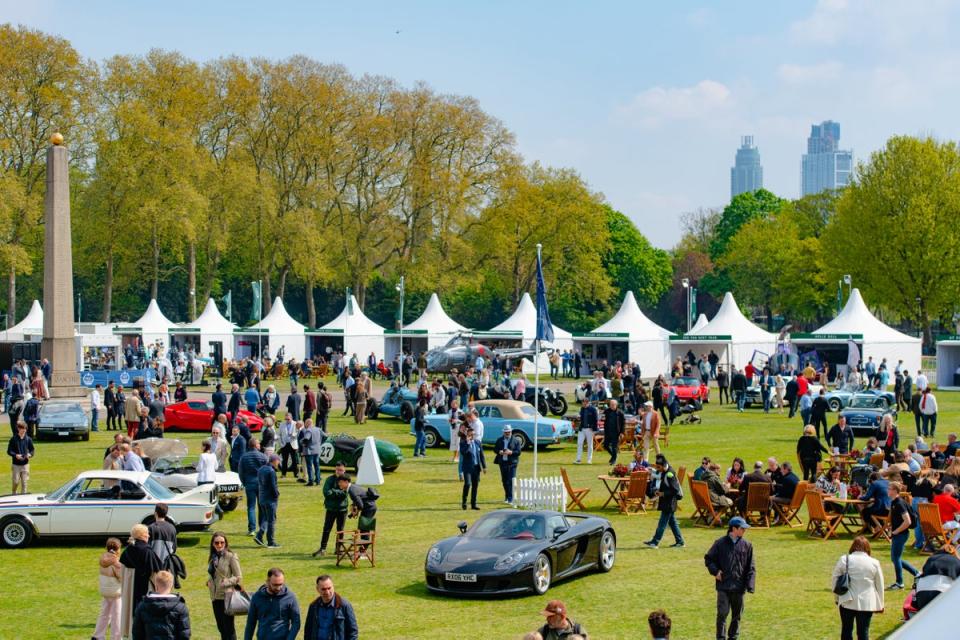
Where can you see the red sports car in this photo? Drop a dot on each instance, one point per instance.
(197, 415)
(690, 390)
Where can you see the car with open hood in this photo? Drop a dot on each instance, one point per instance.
(175, 469)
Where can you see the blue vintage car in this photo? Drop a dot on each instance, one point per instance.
(495, 414)
(398, 402)
(841, 398)
(865, 412)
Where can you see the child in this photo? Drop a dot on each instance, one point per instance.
(111, 572)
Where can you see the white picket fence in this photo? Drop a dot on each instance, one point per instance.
(542, 493)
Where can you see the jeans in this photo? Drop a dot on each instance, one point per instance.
(322, 420)
(312, 461)
(253, 492)
(613, 448)
(805, 416)
(329, 519)
(471, 482)
(94, 419)
(268, 521)
(897, 543)
(507, 473)
(585, 437)
(766, 400)
(420, 445)
(847, 619)
(667, 518)
(929, 421)
(917, 531)
(729, 602)
(741, 398)
(724, 393)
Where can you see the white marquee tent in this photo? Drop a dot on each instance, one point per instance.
(628, 336)
(277, 329)
(433, 328)
(524, 321)
(31, 325)
(855, 322)
(211, 327)
(730, 334)
(152, 327)
(353, 331)
(700, 323)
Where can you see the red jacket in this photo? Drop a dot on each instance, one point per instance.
(802, 386)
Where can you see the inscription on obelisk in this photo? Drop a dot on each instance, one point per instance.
(59, 344)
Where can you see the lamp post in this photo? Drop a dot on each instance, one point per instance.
(686, 285)
(400, 290)
(848, 280)
(919, 317)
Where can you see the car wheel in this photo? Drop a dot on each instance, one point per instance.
(432, 437)
(406, 411)
(390, 469)
(834, 404)
(608, 551)
(85, 436)
(149, 520)
(541, 574)
(559, 406)
(229, 504)
(522, 439)
(16, 533)
(373, 408)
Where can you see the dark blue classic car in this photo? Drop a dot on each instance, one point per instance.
(398, 402)
(865, 412)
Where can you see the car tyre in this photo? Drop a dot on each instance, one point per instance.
(608, 551)
(542, 574)
(229, 504)
(522, 439)
(406, 411)
(85, 436)
(432, 437)
(16, 533)
(835, 404)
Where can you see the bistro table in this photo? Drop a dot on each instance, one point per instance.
(851, 517)
(613, 484)
(844, 461)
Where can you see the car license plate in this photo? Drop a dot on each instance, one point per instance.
(461, 577)
(63, 433)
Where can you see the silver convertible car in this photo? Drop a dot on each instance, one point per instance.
(100, 503)
(175, 470)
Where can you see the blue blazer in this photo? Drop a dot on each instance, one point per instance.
(514, 448)
(471, 456)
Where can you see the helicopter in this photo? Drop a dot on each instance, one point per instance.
(461, 351)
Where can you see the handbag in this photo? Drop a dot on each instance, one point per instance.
(236, 602)
(842, 584)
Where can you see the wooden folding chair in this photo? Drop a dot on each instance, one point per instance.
(681, 473)
(757, 510)
(822, 523)
(665, 434)
(880, 527)
(575, 496)
(626, 438)
(877, 460)
(705, 515)
(790, 513)
(931, 526)
(634, 498)
(356, 545)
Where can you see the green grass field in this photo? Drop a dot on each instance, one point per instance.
(50, 589)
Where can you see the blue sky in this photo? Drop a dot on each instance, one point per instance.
(646, 100)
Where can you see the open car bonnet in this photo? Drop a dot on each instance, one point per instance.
(156, 448)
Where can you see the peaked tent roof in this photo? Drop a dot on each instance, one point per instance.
(730, 321)
(278, 320)
(153, 320)
(700, 323)
(856, 318)
(630, 319)
(211, 320)
(434, 319)
(33, 320)
(524, 319)
(358, 324)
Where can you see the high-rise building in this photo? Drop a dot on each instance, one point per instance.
(747, 173)
(825, 165)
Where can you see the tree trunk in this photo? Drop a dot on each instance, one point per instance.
(265, 294)
(283, 281)
(360, 293)
(108, 289)
(12, 297)
(155, 279)
(192, 280)
(212, 265)
(311, 308)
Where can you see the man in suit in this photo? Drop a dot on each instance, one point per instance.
(472, 463)
(614, 424)
(238, 447)
(219, 400)
(233, 406)
(508, 457)
(294, 402)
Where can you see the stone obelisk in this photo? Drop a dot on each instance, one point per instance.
(59, 344)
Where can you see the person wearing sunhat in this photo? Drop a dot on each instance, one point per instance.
(558, 625)
(730, 562)
(508, 457)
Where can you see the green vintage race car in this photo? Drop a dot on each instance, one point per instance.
(347, 449)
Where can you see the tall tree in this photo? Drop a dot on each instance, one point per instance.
(743, 208)
(632, 263)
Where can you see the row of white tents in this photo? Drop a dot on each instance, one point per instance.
(628, 336)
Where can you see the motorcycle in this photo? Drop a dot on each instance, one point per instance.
(551, 401)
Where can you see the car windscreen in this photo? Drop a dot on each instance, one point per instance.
(688, 382)
(867, 403)
(62, 491)
(60, 409)
(158, 490)
(508, 526)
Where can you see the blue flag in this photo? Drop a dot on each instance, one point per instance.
(544, 326)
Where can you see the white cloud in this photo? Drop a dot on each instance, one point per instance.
(883, 23)
(659, 104)
(812, 73)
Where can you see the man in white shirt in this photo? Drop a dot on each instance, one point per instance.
(287, 435)
(928, 413)
(473, 421)
(922, 381)
(95, 407)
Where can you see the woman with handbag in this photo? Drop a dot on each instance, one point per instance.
(224, 585)
(858, 587)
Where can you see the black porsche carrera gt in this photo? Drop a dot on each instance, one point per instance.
(510, 551)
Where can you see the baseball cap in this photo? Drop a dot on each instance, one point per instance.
(739, 522)
(554, 608)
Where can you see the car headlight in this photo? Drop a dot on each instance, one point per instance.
(508, 561)
(433, 556)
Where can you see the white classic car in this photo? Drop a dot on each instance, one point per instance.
(174, 470)
(99, 503)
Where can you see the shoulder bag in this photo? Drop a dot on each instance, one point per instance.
(842, 584)
(236, 602)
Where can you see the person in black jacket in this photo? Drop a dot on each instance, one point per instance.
(792, 395)
(810, 451)
(219, 400)
(20, 449)
(939, 572)
(614, 425)
(233, 406)
(472, 463)
(110, 402)
(841, 436)
(162, 615)
(669, 492)
(294, 402)
(723, 384)
(144, 562)
(508, 457)
(589, 420)
(730, 562)
(332, 612)
(738, 384)
(818, 413)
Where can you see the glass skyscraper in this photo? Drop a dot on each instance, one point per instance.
(825, 165)
(747, 173)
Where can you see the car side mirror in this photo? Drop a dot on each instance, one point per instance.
(559, 531)
(462, 525)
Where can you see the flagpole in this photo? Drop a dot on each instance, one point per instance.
(536, 385)
(259, 320)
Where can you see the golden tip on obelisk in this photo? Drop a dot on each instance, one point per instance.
(56, 139)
